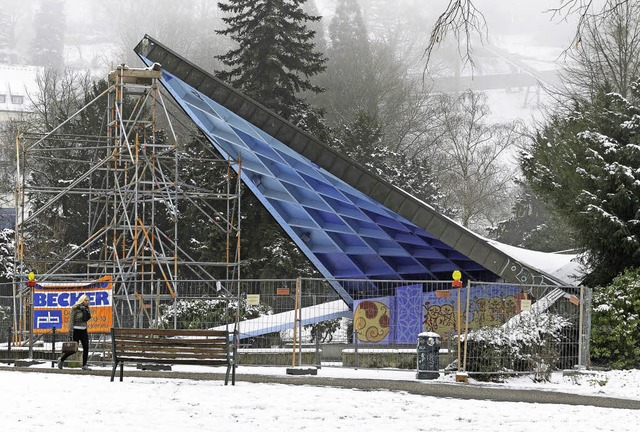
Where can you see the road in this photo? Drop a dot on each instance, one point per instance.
(424, 387)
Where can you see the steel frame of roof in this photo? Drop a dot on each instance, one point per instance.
(349, 222)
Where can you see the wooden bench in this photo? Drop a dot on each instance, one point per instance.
(190, 347)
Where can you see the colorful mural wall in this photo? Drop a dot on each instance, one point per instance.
(372, 320)
(399, 319)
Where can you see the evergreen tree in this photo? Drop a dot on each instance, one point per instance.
(362, 141)
(5, 37)
(615, 340)
(273, 64)
(275, 57)
(203, 230)
(10, 14)
(48, 45)
(7, 247)
(267, 252)
(349, 77)
(317, 27)
(585, 165)
(533, 226)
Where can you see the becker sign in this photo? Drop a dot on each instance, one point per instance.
(52, 304)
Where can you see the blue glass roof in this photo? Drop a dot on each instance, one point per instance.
(345, 233)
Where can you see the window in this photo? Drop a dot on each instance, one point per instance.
(3, 98)
(17, 100)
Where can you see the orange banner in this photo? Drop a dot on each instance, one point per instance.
(52, 302)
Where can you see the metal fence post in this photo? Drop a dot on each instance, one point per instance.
(317, 336)
(53, 346)
(585, 328)
(355, 348)
(30, 318)
(299, 315)
(9, 338)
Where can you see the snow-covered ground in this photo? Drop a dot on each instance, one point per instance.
(84, 402)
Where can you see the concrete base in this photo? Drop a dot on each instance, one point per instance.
(301, 370)
(273, 356)
(427, 375)
(26, 363)
(462, 377)
(578, 372)
(153, 367)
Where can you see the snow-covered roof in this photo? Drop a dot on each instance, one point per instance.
(16, 83)
(563, 266)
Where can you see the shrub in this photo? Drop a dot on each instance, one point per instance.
(527, 342)
(205, 313)
(323, 331)
(615, 334)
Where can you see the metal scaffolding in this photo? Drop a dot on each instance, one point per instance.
(136, 198)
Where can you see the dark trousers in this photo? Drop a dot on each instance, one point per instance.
(81, 336)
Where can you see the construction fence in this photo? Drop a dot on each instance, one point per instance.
(482, 328)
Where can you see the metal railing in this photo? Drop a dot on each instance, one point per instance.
(484, 328)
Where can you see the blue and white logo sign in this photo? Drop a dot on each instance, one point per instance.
(46, 319)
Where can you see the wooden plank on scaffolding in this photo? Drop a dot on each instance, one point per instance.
(142, 76)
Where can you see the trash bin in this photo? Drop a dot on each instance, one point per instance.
(428, 350)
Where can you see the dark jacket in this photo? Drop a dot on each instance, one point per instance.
(79, 316)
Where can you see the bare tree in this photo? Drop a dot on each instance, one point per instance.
(462, 20)
(382, 77)
(472, 161)
(607, 56)
(60, 94)
(60, 157)
(188, 26)
(401, 99)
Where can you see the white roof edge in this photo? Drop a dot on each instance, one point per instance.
(562, 266)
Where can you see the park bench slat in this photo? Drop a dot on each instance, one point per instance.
(177, 342)
(169, 332)
(163, 346)
(211, 345)
(174, 355)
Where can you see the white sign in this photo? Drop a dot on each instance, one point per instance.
(253, 299)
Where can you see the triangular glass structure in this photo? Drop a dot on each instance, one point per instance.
(347, 232)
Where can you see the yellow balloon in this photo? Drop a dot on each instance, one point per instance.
(457, 275)
(31, 276)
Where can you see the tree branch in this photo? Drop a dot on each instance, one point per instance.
(461, 19)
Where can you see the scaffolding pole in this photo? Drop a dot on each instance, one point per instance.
(134, 191)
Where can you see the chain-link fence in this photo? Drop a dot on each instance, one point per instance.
(6, 323)
(484, 328)
(522, 328)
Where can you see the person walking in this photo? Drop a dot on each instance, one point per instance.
(80, 315)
